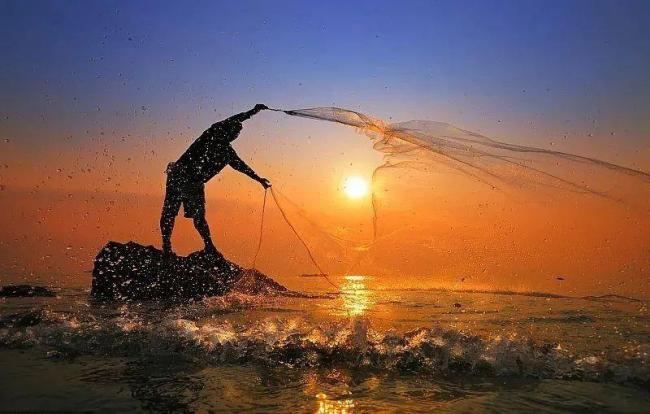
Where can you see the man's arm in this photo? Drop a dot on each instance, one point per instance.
(239, 165)
(241, 117)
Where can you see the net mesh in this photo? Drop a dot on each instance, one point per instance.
(486, 160)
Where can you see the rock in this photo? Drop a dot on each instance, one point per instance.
(23, 319)
(253, 282)
(25, 291)
(135, 272)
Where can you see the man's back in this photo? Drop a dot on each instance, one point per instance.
(208, 154)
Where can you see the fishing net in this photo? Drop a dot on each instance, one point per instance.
(450, 201)
(488, 161)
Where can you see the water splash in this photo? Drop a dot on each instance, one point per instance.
(298, 342)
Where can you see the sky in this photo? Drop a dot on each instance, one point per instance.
(96, 97)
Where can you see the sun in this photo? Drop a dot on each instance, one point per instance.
(355, 187)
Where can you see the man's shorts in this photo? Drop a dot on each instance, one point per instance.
(190, 194)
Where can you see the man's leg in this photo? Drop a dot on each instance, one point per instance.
(194, 207)
(201, 225)
(167, 219)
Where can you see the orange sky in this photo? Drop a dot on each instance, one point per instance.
(438, 228)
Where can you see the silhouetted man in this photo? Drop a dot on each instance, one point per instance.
(186, 178)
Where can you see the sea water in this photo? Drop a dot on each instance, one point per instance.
(361, 350)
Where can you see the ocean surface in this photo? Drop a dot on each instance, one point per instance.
(363, 350)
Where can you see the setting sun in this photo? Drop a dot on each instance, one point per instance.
(355, 187)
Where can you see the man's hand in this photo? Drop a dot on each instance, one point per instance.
(265, 183)
(246, 115)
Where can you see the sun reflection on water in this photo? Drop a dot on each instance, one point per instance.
(327, 406)
(357, 299)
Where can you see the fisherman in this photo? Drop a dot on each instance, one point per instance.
(186, 178)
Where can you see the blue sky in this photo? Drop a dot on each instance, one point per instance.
(497, 66)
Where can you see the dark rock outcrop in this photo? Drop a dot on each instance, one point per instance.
(22, 319)
(25, 291)
(134, 272)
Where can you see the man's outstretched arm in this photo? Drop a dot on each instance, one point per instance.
(241, 117)
(239, 165)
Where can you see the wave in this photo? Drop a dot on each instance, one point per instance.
(611, 298)
(295, 342)
(532, 293)
(572, 319)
